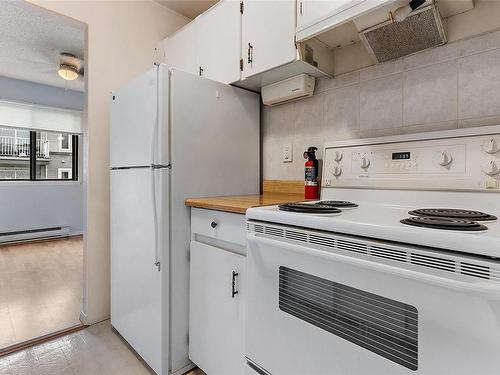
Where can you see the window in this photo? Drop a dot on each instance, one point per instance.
(64, 173)
(64, 142)
(14, 154)
(56, 158)
(37, 155)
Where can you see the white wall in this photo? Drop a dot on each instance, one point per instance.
(28, 205)
(121, 38)
(449, 87)
(17, 90)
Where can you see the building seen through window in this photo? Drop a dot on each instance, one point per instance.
(53, 159)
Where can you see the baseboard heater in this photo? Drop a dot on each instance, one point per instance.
(33, 234)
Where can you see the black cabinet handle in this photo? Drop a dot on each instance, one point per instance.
(201, 71)
(213, 224)
(234, 292)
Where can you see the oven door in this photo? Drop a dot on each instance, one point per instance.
(318, 310)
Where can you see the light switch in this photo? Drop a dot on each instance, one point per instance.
(287, 153)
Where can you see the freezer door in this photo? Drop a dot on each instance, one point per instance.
(139, 240)
(215, 137)
(139, 121)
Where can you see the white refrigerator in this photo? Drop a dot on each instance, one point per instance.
(173, 135)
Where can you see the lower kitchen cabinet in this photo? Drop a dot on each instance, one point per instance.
(217, 307)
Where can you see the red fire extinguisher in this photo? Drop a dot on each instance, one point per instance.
(311, 190)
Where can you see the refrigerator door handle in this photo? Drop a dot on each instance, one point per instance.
(154, 146)
(161, 166)
(157, 262)
(154, 136)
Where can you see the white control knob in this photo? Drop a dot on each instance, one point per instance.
(444, 159)
(337, 171)
(365, 162)
(491, 169)
(491, 146)
(337, 156)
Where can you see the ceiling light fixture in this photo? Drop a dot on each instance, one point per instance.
(68, 72)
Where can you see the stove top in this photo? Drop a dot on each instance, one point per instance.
(378, 219)
(453, 213)
(446, 223)
(408, 188)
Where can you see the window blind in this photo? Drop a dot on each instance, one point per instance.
(35, 117)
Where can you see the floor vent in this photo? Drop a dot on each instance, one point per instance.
(421, 257)
(381, 325)
(33, 234)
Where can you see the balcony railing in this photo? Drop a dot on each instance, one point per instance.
(15, 174)
(20, 147)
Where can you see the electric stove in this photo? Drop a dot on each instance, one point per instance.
(385, 282)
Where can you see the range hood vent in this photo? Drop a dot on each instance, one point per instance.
(390, 40)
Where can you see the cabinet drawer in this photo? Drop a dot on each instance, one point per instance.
(222, 226)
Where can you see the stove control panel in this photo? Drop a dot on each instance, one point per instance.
(440, 160)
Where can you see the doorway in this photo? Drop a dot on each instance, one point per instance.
(42, 100)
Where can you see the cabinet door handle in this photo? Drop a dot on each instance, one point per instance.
(214, 224)
(234, 292)
(201, 71)
(250, 53)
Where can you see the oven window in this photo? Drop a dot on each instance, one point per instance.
(386, 327)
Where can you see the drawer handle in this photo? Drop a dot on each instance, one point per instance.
(234, 292)
(213, 224)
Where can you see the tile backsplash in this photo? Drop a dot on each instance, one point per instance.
(456, 85)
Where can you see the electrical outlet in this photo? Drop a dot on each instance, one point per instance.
(287, 153)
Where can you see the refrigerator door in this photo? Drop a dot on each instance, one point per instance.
(139, 121)
(139, 216)
(215, 151)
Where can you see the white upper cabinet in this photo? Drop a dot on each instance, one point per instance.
(317, 16)
(268, 35)
(180, 50)
(309, 11)
(219, 42)
(210, 45)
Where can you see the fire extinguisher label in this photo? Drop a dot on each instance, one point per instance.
(310, 176)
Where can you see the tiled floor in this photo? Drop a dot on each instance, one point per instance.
(96, 350)
(40, 288)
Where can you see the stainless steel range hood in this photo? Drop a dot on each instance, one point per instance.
(422, 29)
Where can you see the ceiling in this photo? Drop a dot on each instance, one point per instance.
(189, 8)
(31, 41)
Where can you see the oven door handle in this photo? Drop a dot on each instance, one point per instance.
(488, 288)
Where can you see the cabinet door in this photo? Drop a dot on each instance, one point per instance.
(219, 42)
(180, 49)
(216, 317)
(268, 35)
(309, 11)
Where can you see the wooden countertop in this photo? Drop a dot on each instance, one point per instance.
(240, 203)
